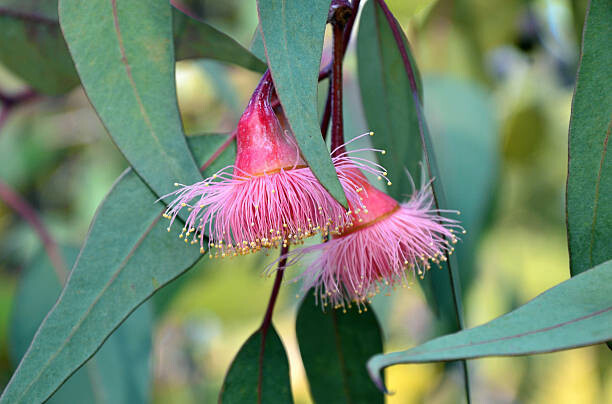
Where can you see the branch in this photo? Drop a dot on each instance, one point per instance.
(23, 208)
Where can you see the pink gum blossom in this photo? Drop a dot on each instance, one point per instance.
(387, 240)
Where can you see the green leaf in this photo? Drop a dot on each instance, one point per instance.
(127, 256)
(335, 347)
(124, 54)
(387, 99)
(258, 374)
(465, 138)
(589, 179)
(293, 39)
(442, 288)
(32, 46)
(194, 38)
(119, 373)
(545, 324)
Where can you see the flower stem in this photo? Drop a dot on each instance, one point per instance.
(340, 14)
(275, 290)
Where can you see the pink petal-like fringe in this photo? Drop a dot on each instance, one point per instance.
(354, 267)
(243, 213)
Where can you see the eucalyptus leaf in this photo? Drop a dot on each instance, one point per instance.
(293, 34)
(124, 54)
(335, 347)
(194, 38)
(547, 323)
(119, 373)
(32, 46)
(127, 256)
(259, 373)
(589, 179)
(387, 99)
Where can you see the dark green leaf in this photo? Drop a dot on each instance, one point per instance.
(545, 324)
(32, 46)
(127, 256)
(196, 39)
(119, 373)
(465, 137)
(258, 374)
(335, 347)
(293, 39)
(589, 180)
(442, 288)
(124, 55)
(387, 99)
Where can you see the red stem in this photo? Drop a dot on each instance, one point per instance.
(23, 208)
(220, 150)
(275, 289)
(337, 130)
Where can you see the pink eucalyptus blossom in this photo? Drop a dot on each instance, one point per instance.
(269, 196)
(388, 240)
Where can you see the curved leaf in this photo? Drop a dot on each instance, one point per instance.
(127, 256)
(119, 373)
(387, 99)
(196, 39)
(124, 55)
(335, 347)
(258, 374)
(589, 178)
(32, 46)
(292, 34)
(545, 324)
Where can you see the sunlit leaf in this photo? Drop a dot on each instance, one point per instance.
(335, 347)
(127, 256)
(259, 372)
(293, 39)
(120, 372)
(545, 324)
(589, 180)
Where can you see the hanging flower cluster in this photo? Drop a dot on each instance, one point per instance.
(270, 197)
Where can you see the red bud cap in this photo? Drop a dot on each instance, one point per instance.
(263, 145)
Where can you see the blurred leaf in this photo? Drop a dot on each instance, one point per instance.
(124, 55)
(335, 347)
(258, 374)
(589, 180)
(387, 99)
(32, 46)
(293, 38)
(118, 373)
(127, 256)
(545, 324)
(466, 141)
(196, 39)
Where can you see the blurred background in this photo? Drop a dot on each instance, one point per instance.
(498, 77)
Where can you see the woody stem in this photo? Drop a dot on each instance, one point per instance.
(275, 289)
